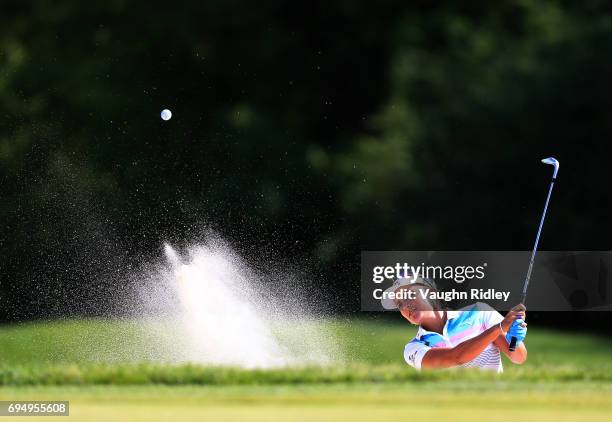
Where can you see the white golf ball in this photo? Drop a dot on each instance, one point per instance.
(166, 114)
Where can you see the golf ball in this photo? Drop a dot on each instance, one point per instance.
(166, 114)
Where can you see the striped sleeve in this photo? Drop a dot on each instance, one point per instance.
(414, 352)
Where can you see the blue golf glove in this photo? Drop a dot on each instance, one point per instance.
(516, 331)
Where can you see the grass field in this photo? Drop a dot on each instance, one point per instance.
(99, 366)
(452, 401)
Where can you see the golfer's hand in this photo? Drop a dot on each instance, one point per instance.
(516, 313)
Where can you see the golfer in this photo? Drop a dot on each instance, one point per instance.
(471, 337)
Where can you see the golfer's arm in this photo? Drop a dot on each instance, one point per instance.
(461, 353)
(519, 356)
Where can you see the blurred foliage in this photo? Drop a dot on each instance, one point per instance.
(310, 130)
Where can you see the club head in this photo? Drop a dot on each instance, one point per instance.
(553, 162)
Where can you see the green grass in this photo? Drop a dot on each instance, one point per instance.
(111, 370)
(455, 401)
(127, 352)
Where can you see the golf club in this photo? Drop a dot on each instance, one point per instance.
(553, 162)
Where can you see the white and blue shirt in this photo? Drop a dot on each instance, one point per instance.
(460, 326)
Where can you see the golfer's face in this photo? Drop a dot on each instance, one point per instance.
(417, 309)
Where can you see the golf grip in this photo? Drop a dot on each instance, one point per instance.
(513, 341)
(512, 347)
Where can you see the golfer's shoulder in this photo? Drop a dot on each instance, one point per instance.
(414, 351)
(417, 341)
(425, 339)
(487, 313)
(474, 314)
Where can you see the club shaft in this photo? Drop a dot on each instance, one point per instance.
(537, 240)
(514, 339)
